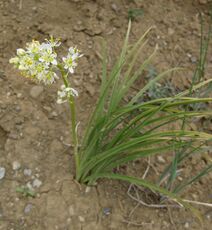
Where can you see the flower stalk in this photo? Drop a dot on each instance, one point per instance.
(73, 123)
(40, 62)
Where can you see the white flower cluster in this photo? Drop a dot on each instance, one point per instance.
(38, 61)
(65, 93)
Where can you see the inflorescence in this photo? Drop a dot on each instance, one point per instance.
(39, 62)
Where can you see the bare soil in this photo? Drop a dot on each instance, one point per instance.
(34, 133)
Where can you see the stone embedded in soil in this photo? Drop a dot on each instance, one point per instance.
(71, 210)
(16, 165)
(36, 91)
(161, 160)
(19, 95)
(28, 208)
(27, 172)
(170, 31)
(107, 211)
(81, 218)
(114, 7)
(2, 172)
(36, 183)
(186, 225)
(193, 59)
(90, 89)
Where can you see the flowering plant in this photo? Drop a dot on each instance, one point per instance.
(40, 62)
(117, 132)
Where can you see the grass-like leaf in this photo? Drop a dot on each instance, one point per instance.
(121, 131)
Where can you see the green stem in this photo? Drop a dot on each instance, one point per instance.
(73, 121)
(74, 132)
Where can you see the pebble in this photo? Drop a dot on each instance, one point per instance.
(28, 208)
(2, 172)
(18, 108)
(107, 211)
(54, 114)
(36, 183)
(27, 172)
(114, 7)
(81, 219)
(19, 95)
(88, 189)
(71, 211)
(170, 31)
(13, 136)
(186, 225)
(193, 59)
(161, 159)
(90, 89)
(29, 186)
(36, 91)
(16, 165)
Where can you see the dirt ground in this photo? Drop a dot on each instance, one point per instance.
(34, 134)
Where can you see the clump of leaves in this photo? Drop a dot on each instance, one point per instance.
(134, 13)
(119, 132)
(25, 191)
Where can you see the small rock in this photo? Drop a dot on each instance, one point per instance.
(54, 114)
(2, 172)
(36, 91)
(19, 95)
(107, 211)
(47, 108)
(71, 211)
(81, 219)
(16, 165)
(114, 7)
(13, 136)
(186, 225)
(193, 59)
(90, 89)
(88, 189)
(34, 8)
(208, 214)
(27, 172)
(161, 159)
(36, 183)
(18, 108)
(170, 31)
(29, 186)
(28, 208)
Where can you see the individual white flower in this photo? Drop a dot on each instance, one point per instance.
(14, 60)
(33, 47)
(48, 58)
(21, 52)
(70, 61)
(26, 62)
(65, 93)
(47, 77)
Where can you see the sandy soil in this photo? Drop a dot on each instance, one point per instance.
(34, 134)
